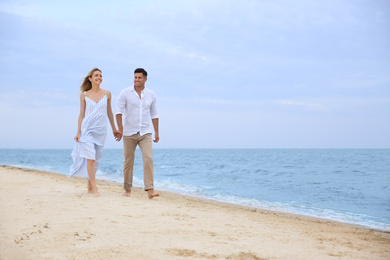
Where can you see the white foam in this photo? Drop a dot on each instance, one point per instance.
(349, 218)
(45, 168)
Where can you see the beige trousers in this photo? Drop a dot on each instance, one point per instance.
(145, 144)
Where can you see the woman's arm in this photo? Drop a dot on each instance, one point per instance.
(117, 134)
(81, 116)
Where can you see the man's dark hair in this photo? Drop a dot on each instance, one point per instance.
(141, 70)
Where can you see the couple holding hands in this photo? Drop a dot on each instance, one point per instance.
(136, 117)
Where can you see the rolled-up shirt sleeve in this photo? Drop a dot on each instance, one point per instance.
(153, 108)
(121, 103)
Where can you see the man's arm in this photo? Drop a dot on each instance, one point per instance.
(119, 122)
(155, 126)
(119, 108)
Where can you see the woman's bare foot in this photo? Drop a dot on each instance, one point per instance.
(96, 194)
(93, 191)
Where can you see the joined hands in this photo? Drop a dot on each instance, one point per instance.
(118, 135)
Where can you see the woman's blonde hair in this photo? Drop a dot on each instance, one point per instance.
(86, 83)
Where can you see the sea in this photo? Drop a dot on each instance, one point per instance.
(346, 185)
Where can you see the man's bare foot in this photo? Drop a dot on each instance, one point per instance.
(152, 194)
(127, 193)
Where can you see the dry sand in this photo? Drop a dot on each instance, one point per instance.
(48, 216)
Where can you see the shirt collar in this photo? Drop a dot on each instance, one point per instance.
(142, 91)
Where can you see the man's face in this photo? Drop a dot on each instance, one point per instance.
(139, 80)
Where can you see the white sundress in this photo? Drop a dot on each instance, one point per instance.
(92, 137)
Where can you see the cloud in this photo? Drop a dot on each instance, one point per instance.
(311, 106)
(196, 56)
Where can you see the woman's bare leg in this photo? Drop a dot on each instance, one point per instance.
(92, 178)
(89, 187)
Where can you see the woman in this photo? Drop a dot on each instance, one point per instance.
(95, 106)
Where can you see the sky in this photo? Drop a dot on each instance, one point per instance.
(227, 74)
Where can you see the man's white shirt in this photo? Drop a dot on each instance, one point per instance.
(137, 113)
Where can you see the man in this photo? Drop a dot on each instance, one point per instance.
(137, 104)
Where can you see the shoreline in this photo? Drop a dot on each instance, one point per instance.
(47, 215)
(233, 204)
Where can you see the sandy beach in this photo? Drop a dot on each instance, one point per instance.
(48, 216)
